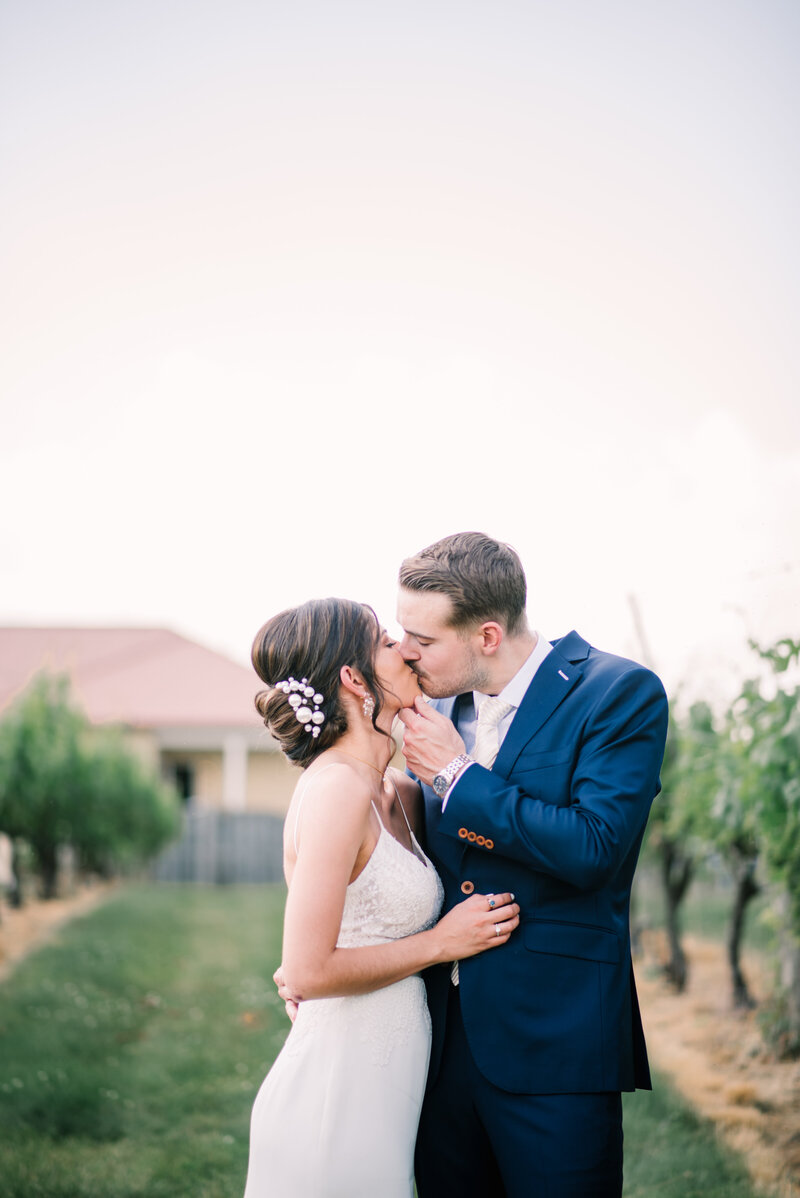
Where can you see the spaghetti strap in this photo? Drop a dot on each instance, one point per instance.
(306, 783)
(402, 808)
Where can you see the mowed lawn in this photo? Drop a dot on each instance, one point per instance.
(131, 1051)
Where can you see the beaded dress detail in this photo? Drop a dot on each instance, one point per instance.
(337, 1115)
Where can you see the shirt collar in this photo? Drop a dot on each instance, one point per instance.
(514, 691)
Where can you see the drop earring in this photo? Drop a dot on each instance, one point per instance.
(368, 706)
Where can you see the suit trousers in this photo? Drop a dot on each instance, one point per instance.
(477, 1141)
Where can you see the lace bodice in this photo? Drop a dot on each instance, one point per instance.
(396, 894)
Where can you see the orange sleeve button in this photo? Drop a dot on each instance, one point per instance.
(463, 833)
(467, 887)
(489, 843)
(472, 836)
(481, 840)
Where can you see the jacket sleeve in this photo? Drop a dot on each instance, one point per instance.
(614, 778)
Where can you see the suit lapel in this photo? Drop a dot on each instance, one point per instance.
(552, 682)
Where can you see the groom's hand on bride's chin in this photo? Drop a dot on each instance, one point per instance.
(290, 1001)
(430, 740)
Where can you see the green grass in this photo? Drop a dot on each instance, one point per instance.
(671, 1152)
(131, 1051)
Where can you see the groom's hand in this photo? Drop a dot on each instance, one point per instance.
(430, 741)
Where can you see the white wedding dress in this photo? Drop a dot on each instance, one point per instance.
(337, 1115)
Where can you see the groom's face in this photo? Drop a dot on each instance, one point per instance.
(445, 660)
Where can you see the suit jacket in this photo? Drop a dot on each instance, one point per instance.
(558, 821)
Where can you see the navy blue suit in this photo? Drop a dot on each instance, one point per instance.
(558, 821)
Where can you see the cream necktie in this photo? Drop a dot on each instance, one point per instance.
(487, 738)
(487, 746)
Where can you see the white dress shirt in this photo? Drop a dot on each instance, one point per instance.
(513, 692)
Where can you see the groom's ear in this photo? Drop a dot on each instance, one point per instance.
(491, 634)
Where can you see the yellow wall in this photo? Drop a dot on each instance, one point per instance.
(207, 767)
(270, 779)
(270, 782)
(143, 745)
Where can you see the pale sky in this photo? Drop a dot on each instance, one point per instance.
(291, 290)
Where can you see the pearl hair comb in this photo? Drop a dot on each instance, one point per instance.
(301, 696)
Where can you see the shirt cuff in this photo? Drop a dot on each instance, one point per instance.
(449, 790)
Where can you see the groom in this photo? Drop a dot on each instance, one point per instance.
(543, 791)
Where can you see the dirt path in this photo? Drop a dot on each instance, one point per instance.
(22, 931)
(716, 1058)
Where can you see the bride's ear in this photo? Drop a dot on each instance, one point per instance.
(352, 681)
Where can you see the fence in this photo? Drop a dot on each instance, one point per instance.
(223, 847)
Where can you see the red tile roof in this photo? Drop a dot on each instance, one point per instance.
(140, 677)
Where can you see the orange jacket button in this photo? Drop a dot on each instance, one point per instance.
(489, 843)
(472, 836)
(481, 840)
(463, 833)
(467, 887)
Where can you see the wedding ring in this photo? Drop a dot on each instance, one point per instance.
(497, 931)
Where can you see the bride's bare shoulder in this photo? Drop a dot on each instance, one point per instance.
(334, 787)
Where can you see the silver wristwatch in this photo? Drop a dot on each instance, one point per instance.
(444, 779)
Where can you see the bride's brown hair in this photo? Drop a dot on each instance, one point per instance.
(314, 641)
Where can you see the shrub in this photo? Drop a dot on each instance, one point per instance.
(64, 783)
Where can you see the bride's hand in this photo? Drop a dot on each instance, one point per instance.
(482, 921)
(289, 1000)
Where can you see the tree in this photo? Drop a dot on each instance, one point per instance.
(40, 769)
(734, 833)
(667, 841)
(765, 731)
(64, 783)
(124, 815)
(680, 825)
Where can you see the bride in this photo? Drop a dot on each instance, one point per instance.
(336, 1116)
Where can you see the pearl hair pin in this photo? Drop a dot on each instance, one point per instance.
(301, 696)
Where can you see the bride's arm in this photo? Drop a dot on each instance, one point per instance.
(334, 826)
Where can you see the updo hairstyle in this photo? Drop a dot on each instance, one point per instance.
(314, 641)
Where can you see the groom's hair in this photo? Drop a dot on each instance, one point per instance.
(483, 579)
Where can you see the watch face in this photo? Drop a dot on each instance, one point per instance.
(440, 785)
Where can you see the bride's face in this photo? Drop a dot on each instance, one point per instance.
(398, 680)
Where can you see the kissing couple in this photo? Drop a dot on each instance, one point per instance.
(456, 951)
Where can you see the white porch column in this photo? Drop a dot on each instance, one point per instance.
(234, 772)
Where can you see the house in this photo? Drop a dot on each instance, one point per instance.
(184, 709)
